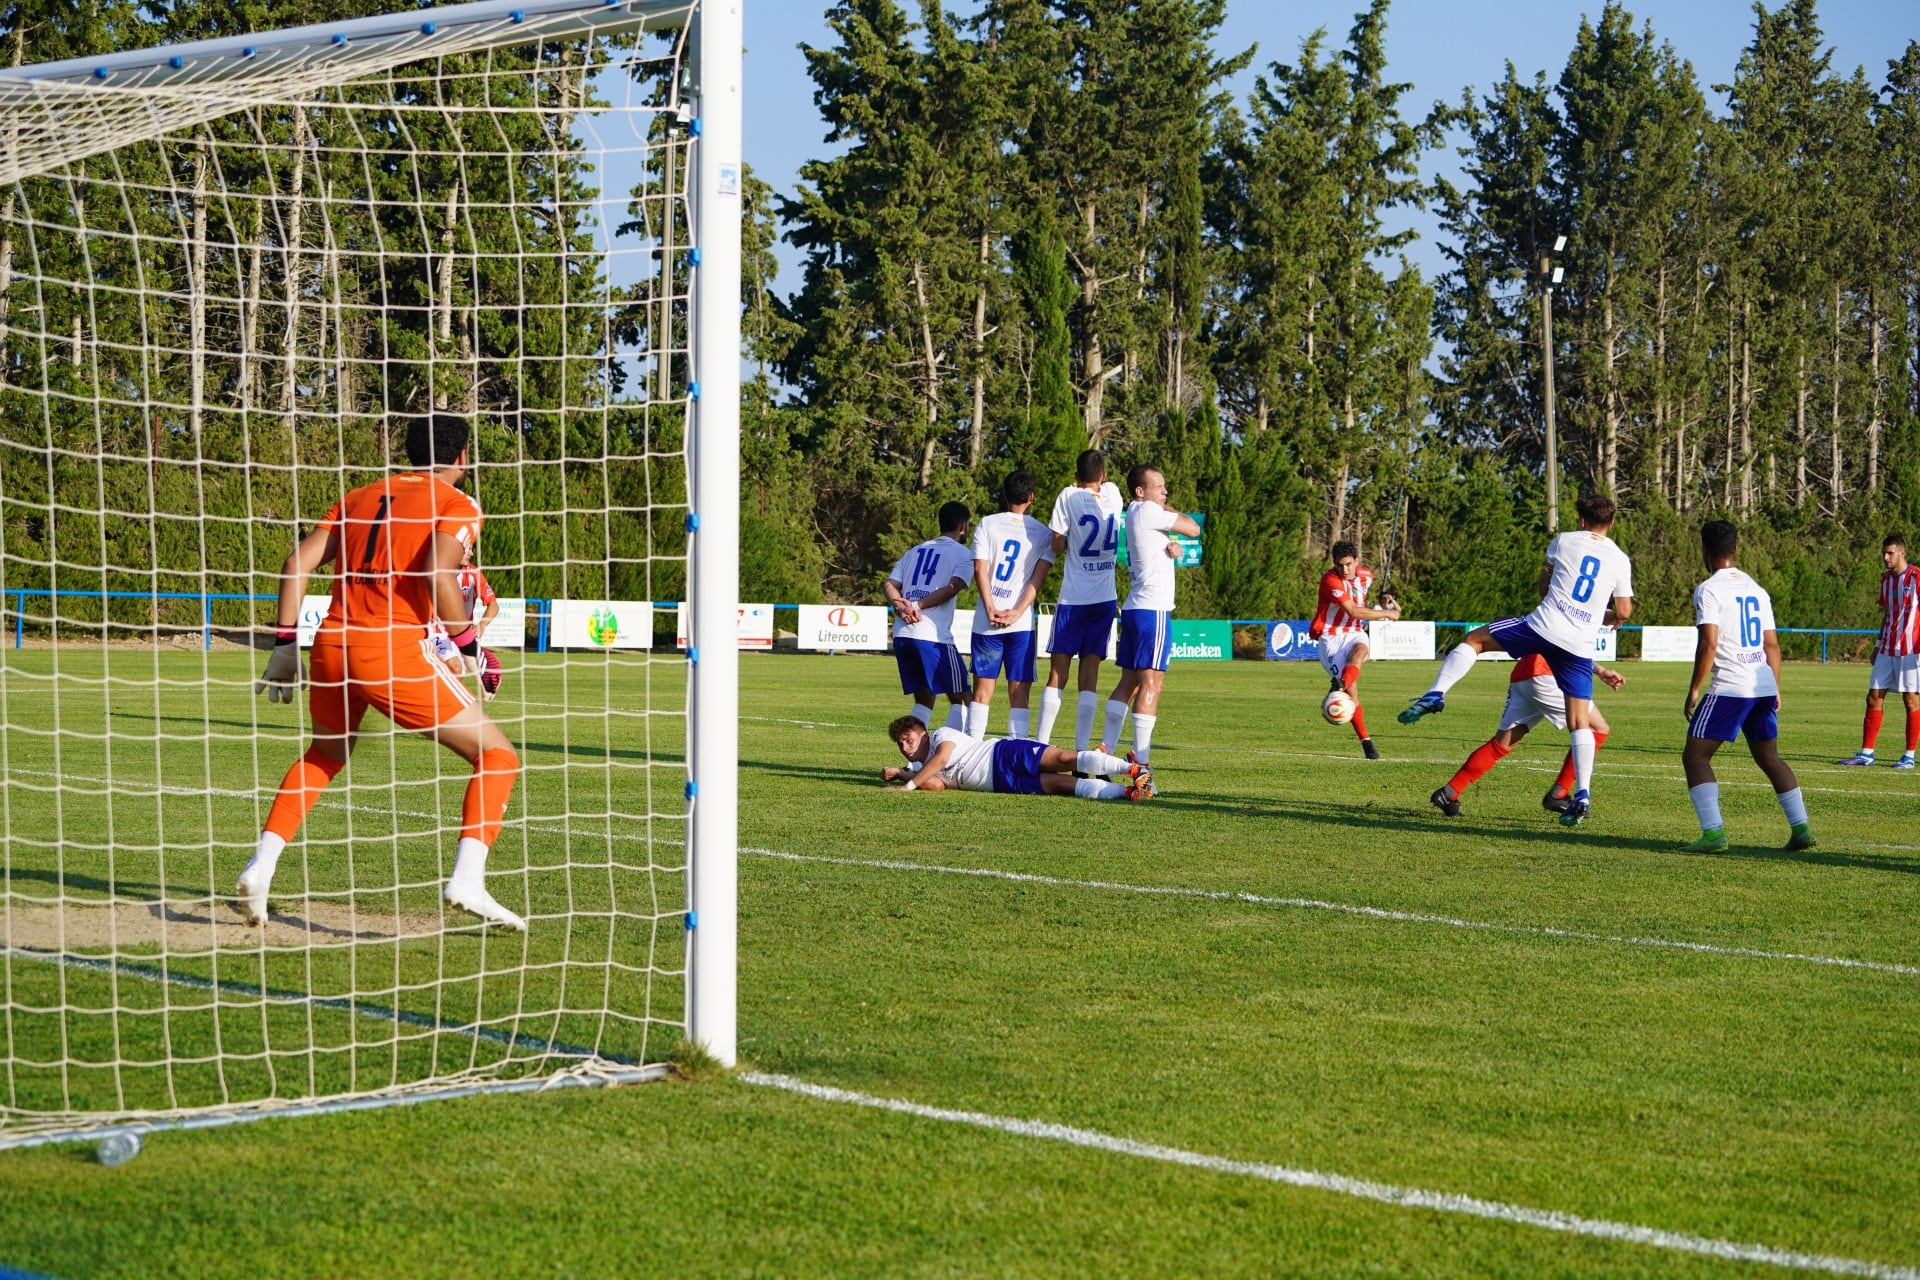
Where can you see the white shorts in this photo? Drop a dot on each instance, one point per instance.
(1335, 651)
(1531, 701)
(1900, 674)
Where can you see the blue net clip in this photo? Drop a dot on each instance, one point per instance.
(693, 126)
(693, 522)
(693, 919)
(693, 391)
(693, 655)
(693, 788)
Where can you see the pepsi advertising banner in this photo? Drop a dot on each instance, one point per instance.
(1288, 641)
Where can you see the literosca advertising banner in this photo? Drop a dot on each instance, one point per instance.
(845, 626)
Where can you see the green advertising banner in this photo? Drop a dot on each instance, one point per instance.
(1191, 554)
(1202, 641)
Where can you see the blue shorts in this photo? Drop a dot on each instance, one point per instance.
(1146, 639)
(1722, 717)
(928, 664)
(1573, 672)
(1083, 629)
(1014, 651)
(1016, 766)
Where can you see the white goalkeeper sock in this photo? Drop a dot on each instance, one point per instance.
(1094, 789)
(1099, 763)
(1794, 805)
(1581, 740)
(1142, 735)
(1017, 722)
(956, 716)
(977, 713)
(266, 854)
(1116, 722)
(923, 714)
(1706, 805)
(1454, 667)
(1083, 715)
(469, 864)
(1049, 712)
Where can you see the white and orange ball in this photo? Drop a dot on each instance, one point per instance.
(1337, 708)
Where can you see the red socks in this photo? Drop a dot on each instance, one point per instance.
(1913, 731)
(1484, 757)
(300, 791)
(1870, 731)
(487, 795)
(1359, 720)
(1564, 783)
(1349, 677)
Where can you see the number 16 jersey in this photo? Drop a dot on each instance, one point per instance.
(1743, 611)
(1588, 571)
(1091, 523)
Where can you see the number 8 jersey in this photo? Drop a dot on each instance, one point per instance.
(1588, 571)
(1091, 523)
(1743, 611)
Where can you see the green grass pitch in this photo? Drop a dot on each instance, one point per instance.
(1505, 1025)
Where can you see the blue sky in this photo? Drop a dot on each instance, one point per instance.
(1439, 46)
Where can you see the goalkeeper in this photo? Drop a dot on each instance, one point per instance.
(396, 547)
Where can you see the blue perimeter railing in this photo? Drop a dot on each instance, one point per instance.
(541, 612)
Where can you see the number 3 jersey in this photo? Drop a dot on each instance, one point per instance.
(1091, 523)
(1743, 611)
(1012, 547)
(1588, 571)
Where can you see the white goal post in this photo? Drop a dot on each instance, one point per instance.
(231, 272)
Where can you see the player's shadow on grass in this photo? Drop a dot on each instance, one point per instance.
(869, 778)
(583, 750)
(1819, 858)
(1389, 818)
(138, 890)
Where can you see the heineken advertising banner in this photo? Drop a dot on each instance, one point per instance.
(1202, 641)
(601, 624)
(1191, 554)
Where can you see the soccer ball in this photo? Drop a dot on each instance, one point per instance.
(1338, 707)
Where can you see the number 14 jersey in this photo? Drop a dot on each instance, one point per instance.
(1743, 611)
(1588, 571)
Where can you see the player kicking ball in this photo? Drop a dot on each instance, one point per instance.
(1583, 572)
(1340, 625)
(1735, 690)
(396, 546)
(949, 760)
(1896, 656)
(1532, 696)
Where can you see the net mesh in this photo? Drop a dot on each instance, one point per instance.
(226, 283)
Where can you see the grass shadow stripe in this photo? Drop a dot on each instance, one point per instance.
(1344, 908)
(1338, 1184)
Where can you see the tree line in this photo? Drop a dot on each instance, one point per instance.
(1051, 227)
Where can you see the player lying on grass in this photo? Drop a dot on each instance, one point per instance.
(396, 547)
(1735, 690)
(949, 760)
(1532, 696)
(1586, 582)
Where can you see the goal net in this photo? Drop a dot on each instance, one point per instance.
(232, 273)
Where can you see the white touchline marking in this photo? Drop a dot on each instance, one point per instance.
(805, 724)
(1384, 1193)
(1344, 908)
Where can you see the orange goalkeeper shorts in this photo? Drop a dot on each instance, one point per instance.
(400, 677)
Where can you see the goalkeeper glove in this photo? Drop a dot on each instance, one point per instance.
(490, 674)
(283, 679)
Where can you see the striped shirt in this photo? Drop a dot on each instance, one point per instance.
(1900, 601)
(1336, 592)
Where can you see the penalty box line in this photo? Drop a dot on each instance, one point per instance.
(1343, 908)
(1358, 1188)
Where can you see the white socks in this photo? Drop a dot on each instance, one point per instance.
(469, 864)
(1094, 789)
(956, 715)
(1116, 721)
(1454, 667)
(1083, 720)
(1706, 804)
(1098, 764)
(1049, 712)
(1017, 722)
(1794, 805)
(1583, 749)
(1142, 735)
(923, 714)
(266, 854)
(977, 713)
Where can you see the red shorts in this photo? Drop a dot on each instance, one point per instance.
(401, 677)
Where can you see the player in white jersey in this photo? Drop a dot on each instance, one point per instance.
(1735, 691)
(1146, 618)
(1086, 543)
(1012, 553)
(1896, 655)
(950, 760)
(921, 590)
(1587, 581)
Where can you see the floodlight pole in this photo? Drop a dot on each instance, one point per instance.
(1549, 277)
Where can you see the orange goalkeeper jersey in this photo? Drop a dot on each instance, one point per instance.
(383, 574)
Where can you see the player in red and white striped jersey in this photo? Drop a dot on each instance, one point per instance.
(1340, 625)
(477, 592)
(1532, 696)
(1896, 658)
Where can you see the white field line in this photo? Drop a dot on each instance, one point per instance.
(1159, 891)
(1343, 908)
(1380, 1192)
